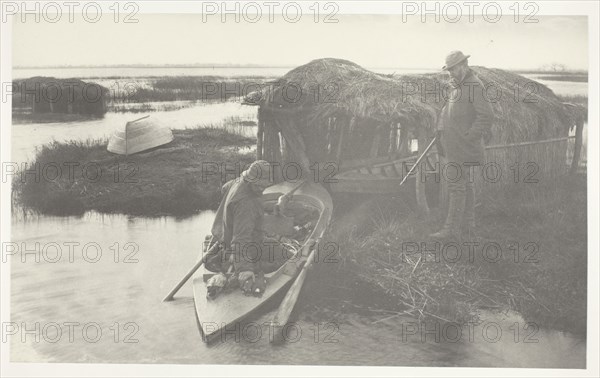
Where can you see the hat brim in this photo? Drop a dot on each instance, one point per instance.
(455, 63)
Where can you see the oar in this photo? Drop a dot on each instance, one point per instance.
(208, 254)
(287, 305)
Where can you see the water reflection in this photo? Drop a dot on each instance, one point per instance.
(114, 270)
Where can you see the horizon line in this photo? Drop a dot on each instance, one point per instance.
(252, 65)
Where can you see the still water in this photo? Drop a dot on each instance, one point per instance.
(95, 294)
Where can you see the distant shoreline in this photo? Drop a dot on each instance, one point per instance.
(226, 65)
(219, 65)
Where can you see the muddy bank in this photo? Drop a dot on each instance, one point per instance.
(529, 255)
(179, 179)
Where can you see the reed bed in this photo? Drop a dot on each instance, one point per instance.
(192, 88)
(540, 271)
(167, 180)
(524, 163)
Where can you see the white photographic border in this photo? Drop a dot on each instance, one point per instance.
(10, 369)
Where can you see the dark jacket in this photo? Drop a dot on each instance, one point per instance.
(238, 224)
(465, 119)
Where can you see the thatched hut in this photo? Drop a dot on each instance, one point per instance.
(333, 110)
(68, 96)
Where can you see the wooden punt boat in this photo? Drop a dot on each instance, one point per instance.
(139, 135)
(230, 309)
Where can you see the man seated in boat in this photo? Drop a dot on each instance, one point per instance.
(238, 227)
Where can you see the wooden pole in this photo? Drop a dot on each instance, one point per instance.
(259, 136)
(329, 137)
(284, 149)
(212, 251)
(276, 140)
(393, 137)
(266, 155)
(340, 144)
(553, 140)
(295, 142)
(578, 144)
(404, 141)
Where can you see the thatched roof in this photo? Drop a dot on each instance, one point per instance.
(527, 110)
(33, 83)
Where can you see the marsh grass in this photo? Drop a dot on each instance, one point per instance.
(541, 270)
(167, 180)
(193, 88)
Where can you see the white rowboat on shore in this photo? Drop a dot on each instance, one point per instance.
(139, 135)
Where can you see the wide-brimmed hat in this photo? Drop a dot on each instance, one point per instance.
(454, 58)
(260, 170)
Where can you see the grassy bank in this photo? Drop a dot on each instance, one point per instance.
(531, 257)
(164, 181)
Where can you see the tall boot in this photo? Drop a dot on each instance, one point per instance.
(456, 209)
(469, 227)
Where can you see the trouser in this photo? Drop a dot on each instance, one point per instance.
(266, 256)
(461, 198)
(234, 259)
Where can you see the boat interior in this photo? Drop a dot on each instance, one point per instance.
(286, 230)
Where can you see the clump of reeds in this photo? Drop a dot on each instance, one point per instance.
(193, 88)
(545, 280)
(168, 180)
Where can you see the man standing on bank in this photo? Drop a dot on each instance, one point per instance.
(465, 119)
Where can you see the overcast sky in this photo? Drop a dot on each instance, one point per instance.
(371, 41)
